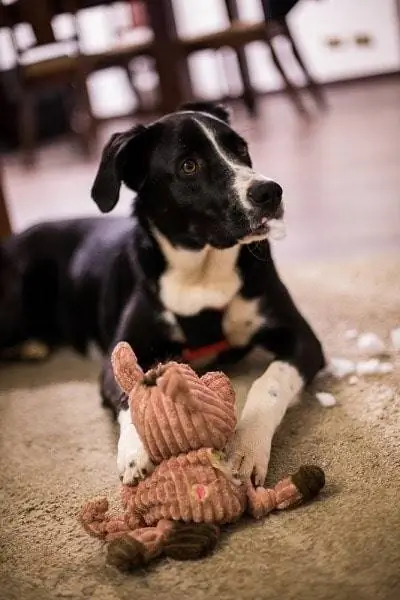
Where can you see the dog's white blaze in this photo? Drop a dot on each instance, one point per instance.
(195, 280)
(243, 176)
(242, 320)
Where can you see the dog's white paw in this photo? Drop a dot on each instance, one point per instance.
(135, 467)
(133, 462)
(248, 454)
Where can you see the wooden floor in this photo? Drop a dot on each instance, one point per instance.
(340, 173)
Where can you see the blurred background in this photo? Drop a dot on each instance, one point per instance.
(314, 86)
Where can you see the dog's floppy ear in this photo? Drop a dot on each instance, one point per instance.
(112, 170)
(212, 108)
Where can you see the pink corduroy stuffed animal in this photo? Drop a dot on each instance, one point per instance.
(184, 422)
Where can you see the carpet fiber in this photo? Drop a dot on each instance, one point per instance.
(57, 449)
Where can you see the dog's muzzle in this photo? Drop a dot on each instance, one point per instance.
(266, 212)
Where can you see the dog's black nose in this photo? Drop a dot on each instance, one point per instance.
(265, 194)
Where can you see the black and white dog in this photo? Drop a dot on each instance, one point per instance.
(181, 278)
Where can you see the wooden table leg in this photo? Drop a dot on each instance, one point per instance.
(5, 227)
(171, 63)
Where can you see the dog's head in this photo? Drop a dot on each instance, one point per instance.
(194, 179)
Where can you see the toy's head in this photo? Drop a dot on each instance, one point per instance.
(173, 409)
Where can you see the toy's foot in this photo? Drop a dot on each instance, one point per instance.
(126, 553)
(190, 541)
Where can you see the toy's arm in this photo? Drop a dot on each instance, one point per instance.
(291, 491)
(98, 523)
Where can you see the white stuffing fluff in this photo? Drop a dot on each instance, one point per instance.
(373, 367)
(353, 380)
(351, 334)
(277, 229)
(369, 343)
(395, 337)
(385, 367)
(341, 367)
(325, 399)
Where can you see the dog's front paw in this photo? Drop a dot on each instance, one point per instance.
(133, 461)
(248, 454)
(136, 467)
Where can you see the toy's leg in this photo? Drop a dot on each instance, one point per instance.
(190, 541)
(261, 501)
(291, 491)
(137, 548)
(180, 541)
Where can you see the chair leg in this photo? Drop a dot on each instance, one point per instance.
(312, 85)
(290, 88)
(85, 125)
(5, 226)
(27, 128)
(249, 97)
(135, 91)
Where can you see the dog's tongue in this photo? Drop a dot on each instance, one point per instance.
(276, 229)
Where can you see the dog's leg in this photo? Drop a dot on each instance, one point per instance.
(133, 462)
(132, 459)
(143, 329)
(266, 404)
(268, 399)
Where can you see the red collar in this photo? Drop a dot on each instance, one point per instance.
(192, 354)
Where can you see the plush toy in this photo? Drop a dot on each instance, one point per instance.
(184, 422)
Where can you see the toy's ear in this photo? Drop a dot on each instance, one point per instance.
(126, 369)
(211, 108)
(124, 159)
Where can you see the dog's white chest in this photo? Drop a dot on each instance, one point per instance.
(241, 320)
(208, 279)
(196, 280)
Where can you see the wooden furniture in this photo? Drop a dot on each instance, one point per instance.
(5, 227)
(239, 33)
(170, 61)
(63, 67)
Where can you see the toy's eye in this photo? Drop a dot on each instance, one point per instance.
(189, 167)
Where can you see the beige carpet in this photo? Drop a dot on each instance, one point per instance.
(58, 446)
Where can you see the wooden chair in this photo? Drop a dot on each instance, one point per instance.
(38, 68)
(5, 226)
(240, 33)
(124, 51)
(169, 62)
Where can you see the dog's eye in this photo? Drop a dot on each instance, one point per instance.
(189, 166)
